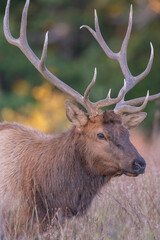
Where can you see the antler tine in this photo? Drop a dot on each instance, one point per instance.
(128, 33)
(44, 53)
(110, 101)
(133, 80)
(98, 36)
(132, 109)
(90, 86)
(91, 110)
(6, 28)
(23, 27)
(148, 68)
(122, 55)
(140, 100)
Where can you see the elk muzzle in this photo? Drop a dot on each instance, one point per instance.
(139, 166)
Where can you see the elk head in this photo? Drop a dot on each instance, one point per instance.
(104, 142)
(104, 135)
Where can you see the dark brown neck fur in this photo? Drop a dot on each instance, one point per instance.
(64, 181)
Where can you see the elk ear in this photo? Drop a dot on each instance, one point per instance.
(75, 114)
(133, 120)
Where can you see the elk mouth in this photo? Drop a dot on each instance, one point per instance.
(130, 174)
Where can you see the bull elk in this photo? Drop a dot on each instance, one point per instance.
(42, 174)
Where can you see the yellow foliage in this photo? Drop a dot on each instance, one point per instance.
(21, 87)
(42, 93)
(8, 114)
(47, 115)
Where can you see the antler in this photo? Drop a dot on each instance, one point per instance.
(22, 43)
(121, 57)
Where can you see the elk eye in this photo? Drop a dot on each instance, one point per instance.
(101, 136)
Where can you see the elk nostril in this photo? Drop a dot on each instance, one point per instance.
(139, 165)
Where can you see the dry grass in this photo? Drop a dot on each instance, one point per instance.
(127, 208)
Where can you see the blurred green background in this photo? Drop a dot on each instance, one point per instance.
(72, 56)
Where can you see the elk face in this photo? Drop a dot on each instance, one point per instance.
(108, 150)
(113, 153)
